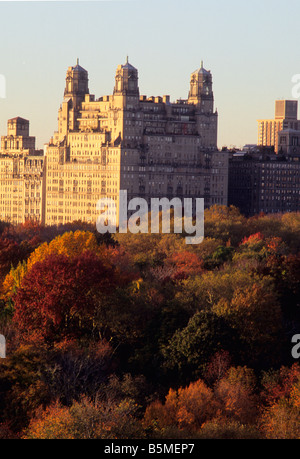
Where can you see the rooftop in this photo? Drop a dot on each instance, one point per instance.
(202, 70)
(78, 68)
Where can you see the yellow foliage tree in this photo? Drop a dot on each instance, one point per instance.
(12, 281)
(70, 244)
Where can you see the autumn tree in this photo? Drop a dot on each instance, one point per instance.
(277, 384)
(281, 411)
(281, 421)
(236, 395)
(187, 408)
(22, 390)
(86, 419)
(255, 314)
(70, 244)
(190, 349)
(228, 429)
(72, 370)
(184, 264)
(218, 367)
(225, 223)
(57, 297)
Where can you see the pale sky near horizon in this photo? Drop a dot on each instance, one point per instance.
(249, 46)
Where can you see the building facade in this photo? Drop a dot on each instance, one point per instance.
(264, 182)
(22, 175)
(149, 146)
(289, 142)
(285, 118)
(126, 141)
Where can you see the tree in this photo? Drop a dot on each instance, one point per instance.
(190, 350)
(227, 429)
(277, 384)
(281, 415)
(71, 244)
(218, 367)
(184, 264)
(236, 395)
(225, 223)
(11, 253)
(72, 370)
(22, 390)
(187, 408)
(57, 297)
(255, 314)
(86, 419)
(54, 423)
(281, 421)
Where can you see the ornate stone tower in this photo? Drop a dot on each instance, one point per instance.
(77, 84)
(75, 90)
(126, 90)
(201, 95)
(17, 138)
(201, 92)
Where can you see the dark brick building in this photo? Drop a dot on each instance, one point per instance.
(263, 181)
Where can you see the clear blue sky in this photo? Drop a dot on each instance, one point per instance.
(250, 46)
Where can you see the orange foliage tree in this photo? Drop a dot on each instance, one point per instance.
(186, 408)
(86, 420)
(236, 395)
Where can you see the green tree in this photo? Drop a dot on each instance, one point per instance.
(190, 350)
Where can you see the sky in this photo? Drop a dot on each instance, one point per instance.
(251, 48)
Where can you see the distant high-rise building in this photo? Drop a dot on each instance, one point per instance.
(285, 118)
(22, 175)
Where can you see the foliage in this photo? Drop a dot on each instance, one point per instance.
(86, 420)
(190, 349)
(141, 335)
(187, 407)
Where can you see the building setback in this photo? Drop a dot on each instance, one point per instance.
(148, 146)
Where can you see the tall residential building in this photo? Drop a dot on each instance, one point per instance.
(263, 181)
(285, 118)
(22, 175)
(127, 141)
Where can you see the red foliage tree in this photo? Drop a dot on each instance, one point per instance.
(278, 385)
(58, 296)
(184, 264)
(11, 252)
